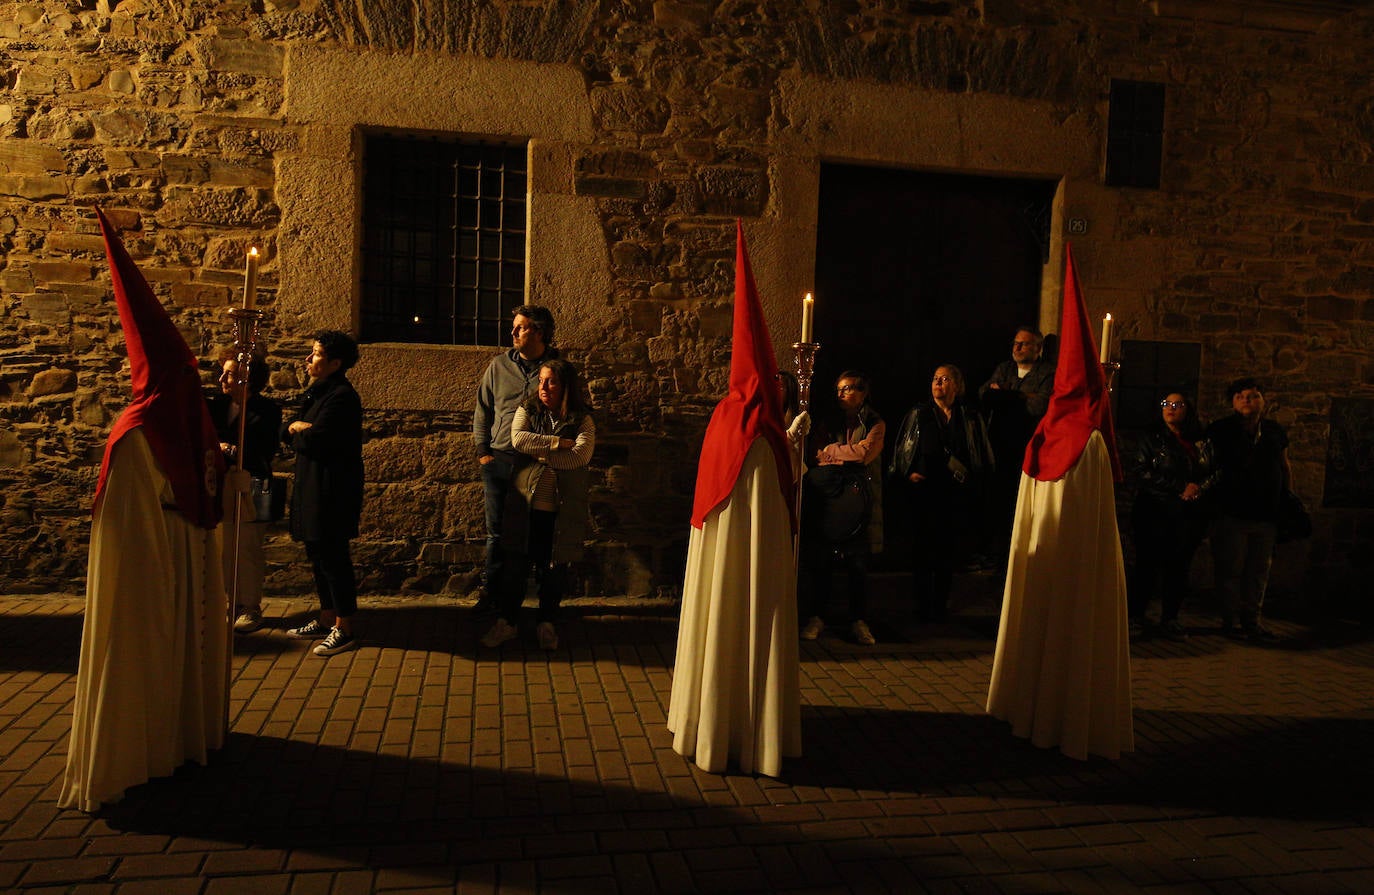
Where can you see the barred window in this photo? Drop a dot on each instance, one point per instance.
(443, 256)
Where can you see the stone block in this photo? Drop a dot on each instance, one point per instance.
(257, 58)
(30, 157)
(733, 191)
(464, 512)
(622, 107)
(1332, 309)
(237, 207)
(616, 163)
(53, 381)
(85, 76)
(14, 279)
(608, 187)
(449, 457)
(121, 80)
(39, 80)
(12, 451)
(47, 307)
(45, 272)
(410, 510)
(393, 459)
(206, 295)
(34, 187)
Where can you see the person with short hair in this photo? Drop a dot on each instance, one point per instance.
(327, 494)
(941, 463)
(849, 444)
(507, 379)
(1013, 401)
(1252, 472)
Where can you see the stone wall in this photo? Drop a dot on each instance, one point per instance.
(204, 128)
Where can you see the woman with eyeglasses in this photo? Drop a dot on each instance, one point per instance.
(1169, 517)
(942, 463)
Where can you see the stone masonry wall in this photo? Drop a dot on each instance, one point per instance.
(178, 119)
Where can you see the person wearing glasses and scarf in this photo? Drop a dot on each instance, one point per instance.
(1169, 517)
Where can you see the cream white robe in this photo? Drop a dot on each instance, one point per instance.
(1061, 674)
(736, 691)
(151, 684)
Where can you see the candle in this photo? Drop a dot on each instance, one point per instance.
(1106, 347)
(808, 317)
(250, 279)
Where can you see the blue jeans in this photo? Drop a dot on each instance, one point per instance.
(496, 483)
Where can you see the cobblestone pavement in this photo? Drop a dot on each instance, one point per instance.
(423, 762)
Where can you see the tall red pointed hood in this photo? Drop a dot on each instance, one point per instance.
(167, 401)
(1080, 402)
(752, 408)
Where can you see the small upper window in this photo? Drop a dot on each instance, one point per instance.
(1135, 134)
(443, 255)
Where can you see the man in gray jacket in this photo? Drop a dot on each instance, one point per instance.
(504, 382)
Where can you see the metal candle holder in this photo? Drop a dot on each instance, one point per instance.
(1110, 369)
(805, 353)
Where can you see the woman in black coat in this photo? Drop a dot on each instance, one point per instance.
(943, 463)
(327, 494)
(1169, 517)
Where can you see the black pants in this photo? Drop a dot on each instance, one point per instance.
(820, 561)
(1165, 541)
(551, 577)
(332, 566)
(945, 520)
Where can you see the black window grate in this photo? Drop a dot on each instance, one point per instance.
(1135, 134)
(443, 256)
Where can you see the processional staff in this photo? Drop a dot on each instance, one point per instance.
(805, 352)
(246, 322)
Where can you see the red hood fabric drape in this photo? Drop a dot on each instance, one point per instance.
(167, 399)
(1080, 402)
(753, 406)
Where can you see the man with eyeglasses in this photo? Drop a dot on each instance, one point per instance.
(1013, 400)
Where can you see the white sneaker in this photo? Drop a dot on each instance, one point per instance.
(338, 641)
(499, 633)
(813, 628)
(249, 620)
(548, 636)
(861, 633)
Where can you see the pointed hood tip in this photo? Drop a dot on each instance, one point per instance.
(1080, 402)
(753, 406)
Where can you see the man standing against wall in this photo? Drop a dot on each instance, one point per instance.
(504, 382)
(1014, 399)
(1252, 471)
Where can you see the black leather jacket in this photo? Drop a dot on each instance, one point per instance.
(907, 450)
(1165, 467)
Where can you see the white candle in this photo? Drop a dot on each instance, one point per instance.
(1106, 347)
(250, 280)
(808, 317)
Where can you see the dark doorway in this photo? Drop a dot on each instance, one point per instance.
(916, 269)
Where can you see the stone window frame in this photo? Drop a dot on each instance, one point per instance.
(332, 97)
(855, 122)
